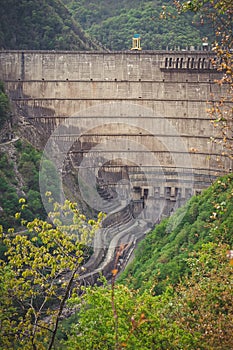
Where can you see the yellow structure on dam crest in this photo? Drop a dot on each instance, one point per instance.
(136, 42)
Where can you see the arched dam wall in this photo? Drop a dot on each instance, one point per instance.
(137, 119)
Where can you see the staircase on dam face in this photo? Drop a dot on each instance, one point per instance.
(108, 194)
(119, 229)
(103, 259)
(128, 221)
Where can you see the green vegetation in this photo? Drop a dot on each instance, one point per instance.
(177, 294)
(113, 23)
(192, 310)
(19, 174)
(40, 25)
(4, 106)
(8, 194)
(171, 308)
(38, 274)
(162, 255)
(197, 314)
(20, 178)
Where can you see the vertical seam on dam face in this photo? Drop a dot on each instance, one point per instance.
(22, 75)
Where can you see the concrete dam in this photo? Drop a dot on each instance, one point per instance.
(134, 124)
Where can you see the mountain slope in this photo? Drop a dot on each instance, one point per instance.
(114, 23)
(163, 253)
(40, 25)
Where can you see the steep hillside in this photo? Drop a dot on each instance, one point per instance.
(183, 280)
(114, 23)
(19, 177)
(162, 254)
(19, 172)
(19, 169)
(40, 25)
(4, 106)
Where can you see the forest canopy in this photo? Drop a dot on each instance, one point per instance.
(40, 25)
(115, 22)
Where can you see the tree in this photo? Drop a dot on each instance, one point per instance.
(39, 273)
(197, 314)
(203, 305)
(141, 323)
(218, 14)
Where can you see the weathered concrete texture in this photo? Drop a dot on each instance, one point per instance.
(52, 65)
(159, 90)
(147, 109)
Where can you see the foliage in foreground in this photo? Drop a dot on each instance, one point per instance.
(41, 270)
(41, 267)
(197, 314)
